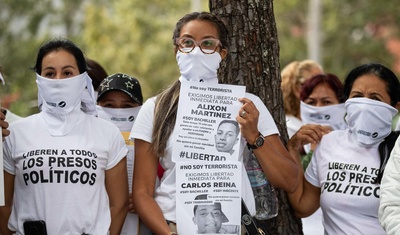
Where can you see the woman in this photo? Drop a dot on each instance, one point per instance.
(153, 143)
(322, 103)
(64, 167)
(294, 75)
(119, 101)
(342, 175)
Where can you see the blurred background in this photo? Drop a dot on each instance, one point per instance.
(134, 37)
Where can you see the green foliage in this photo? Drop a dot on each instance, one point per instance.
(24, 25)
(347, 28)
(134, 37)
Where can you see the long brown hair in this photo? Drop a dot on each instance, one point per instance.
(164, 118)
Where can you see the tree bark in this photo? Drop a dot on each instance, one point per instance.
(253, 61)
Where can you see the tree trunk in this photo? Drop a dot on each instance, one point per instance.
(253, 61)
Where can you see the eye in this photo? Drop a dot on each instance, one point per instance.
(231, 134)
(69, 73)
(216, 213)
(327, 102)
(106, 104)
(203, 214)
(186, 42)
(48, 74)
(310, 102)
(209, 44)
(129, 105)
(356, 96)
(375, 98)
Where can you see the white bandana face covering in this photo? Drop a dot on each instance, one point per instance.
(122, 118)
(369, 120)
(197, 66)
(88, 96)
(331, 115)
(60, 101)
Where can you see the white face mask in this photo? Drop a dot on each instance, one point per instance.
(331, 115)
(60, 95)
(369, 120)
(60, 102)
(122, 118)
(67, 89)
(197, 66)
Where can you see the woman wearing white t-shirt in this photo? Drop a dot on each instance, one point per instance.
(321, 103)
(342, 175)
(200, 41)
(64, 168)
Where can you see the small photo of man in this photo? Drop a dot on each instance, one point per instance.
(227, 136)
(210, 219)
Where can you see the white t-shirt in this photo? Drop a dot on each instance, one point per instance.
(345, 172)
(165, 193)
(61, 180)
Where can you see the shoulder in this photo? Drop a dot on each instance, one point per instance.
(257, 102)
(149, 103)
(24, 122)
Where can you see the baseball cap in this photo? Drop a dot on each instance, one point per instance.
(217, 205)
(121, 82)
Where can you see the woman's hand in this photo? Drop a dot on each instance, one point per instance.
(248, 120)
(4, 125)
(309, 133)
(131, 206)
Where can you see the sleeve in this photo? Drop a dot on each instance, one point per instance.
(8, 161)
(118, 149)
(311, 173)
(266, 124)
(389, 208)
(143, 126)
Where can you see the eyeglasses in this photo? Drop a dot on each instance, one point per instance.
(207, 46)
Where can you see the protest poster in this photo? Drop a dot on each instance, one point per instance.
(209, 197)
(203, 110)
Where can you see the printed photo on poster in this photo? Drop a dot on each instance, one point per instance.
(206, 128)
(208, 198)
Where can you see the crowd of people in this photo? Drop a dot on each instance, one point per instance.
(89, 161)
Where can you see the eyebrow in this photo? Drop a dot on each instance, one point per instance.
(65, 67)
(205, 37)
(369, 94)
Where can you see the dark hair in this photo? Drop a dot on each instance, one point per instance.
(60, 44)
(384, 149)
(385, 74)
(332, 80)
(206, 16)
(233, 122)
(96, 72)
